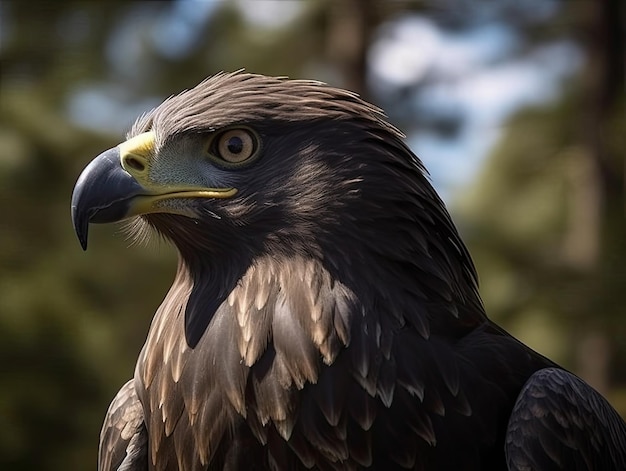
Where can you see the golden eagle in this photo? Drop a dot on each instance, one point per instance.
(325, 312)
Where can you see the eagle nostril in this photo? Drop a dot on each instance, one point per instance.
(135, 164)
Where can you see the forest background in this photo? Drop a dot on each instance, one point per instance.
(516, 108)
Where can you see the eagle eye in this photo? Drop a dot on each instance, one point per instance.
(235, 146)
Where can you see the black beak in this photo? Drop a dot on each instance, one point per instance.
(102, 194)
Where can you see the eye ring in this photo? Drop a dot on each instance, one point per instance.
(235, 147)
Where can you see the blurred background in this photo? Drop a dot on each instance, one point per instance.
(516, 108)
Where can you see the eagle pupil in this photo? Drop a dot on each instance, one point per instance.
(235, 145)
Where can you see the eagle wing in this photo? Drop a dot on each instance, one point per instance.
(560, 422)
(124, 438)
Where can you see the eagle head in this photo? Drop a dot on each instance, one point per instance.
(246, 166)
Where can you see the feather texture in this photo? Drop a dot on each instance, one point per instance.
(327, 315)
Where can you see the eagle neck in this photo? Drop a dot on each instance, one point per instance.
(211, 279)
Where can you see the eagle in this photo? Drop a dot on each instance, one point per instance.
(325, 312)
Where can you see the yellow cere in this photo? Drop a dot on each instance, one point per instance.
(141, 146)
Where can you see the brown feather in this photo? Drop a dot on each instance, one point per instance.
(123, 440)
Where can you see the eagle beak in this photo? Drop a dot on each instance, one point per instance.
(116, 186)
(102, 193)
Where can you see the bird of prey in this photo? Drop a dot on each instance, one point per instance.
(325, 312)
